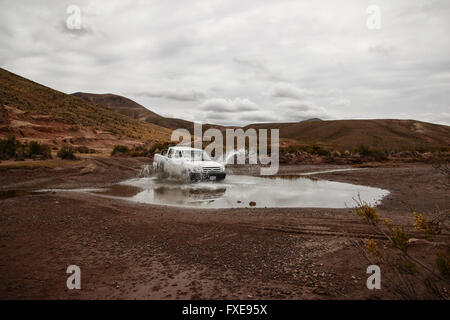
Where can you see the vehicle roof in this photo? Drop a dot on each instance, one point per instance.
(184, 148)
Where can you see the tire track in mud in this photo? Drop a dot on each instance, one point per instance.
(328, 231)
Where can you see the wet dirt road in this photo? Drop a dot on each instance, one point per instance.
(131, 250)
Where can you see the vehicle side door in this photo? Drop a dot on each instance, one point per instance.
(178, 163)
(169, 160)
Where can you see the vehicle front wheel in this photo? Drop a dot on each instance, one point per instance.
(194, 177)
(160, 170)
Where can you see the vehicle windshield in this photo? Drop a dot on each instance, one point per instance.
(197, 155)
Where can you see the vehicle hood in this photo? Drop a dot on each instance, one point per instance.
(205, 163)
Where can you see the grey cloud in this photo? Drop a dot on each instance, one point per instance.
(252, 118)
(175, 94)
(167, 48)
(301, 110)
(256, 65)
(340, 102)
(285, 90)
(221, 105)
(381, 49)
(442, 117)
(261, 69)
(315, 53)
(212, 116)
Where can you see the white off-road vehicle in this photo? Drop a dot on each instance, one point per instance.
(188, 163)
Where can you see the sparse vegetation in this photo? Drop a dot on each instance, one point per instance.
(66, 153)
(120, 150)
(141, 151)
(362, 154)
(159, 147)
(443, 263)
(368, 152)
(368, 213)
(30, 96)
(8, 148)
(42, 151)
(13, 149)
(311, 149)
(405, 273)
(3, 115)
(84, 149)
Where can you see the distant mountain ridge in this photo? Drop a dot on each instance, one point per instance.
(389, 134)
(133, 109)
(120, 104)
(29, 110)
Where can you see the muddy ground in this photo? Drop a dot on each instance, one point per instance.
(134, 251)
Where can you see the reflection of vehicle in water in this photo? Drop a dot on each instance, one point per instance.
(184, 196)
(186, 162)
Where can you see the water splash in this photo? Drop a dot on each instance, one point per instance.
(248, 155)
(145, 171)
(233, 153)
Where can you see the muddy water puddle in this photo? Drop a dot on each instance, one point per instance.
(238, 191)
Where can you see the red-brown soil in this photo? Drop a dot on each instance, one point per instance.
(384, 134)
(28, 126)
(30, 111)
(127, 250)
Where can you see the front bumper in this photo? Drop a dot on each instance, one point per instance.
(198, 176)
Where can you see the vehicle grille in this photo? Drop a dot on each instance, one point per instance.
(211, 170)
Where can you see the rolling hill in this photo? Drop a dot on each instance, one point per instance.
(387, 134)
(339, 134)
(133, 109)
(120, 104)
(29, 110)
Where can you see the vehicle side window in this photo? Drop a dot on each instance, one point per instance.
(178, 154)
(170, 155)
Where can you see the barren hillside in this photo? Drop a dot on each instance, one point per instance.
(379, 133)
(29, 110)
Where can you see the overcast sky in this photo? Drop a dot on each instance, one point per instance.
(237, 62)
